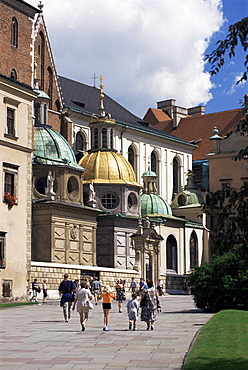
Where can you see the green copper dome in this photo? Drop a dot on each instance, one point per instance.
(149, 173)
(51, 148)
(154, 205)
(42, 94)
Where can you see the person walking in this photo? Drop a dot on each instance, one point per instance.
(44, 289)
(66, 290)
(82, 300)
(107, 297)
(141, 284)
(35, 290)
(96, 288)
(120, 294)
(160, 288)
(149, 304)
(132, 286)
(133, 311)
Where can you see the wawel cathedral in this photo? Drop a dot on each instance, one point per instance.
(87, 188)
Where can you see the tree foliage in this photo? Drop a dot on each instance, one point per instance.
(221, 283)
(238, 32)
(231, 232)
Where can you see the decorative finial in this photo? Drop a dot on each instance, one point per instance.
(40, 6)
(215, 130)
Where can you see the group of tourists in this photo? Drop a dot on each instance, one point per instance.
(81, 297)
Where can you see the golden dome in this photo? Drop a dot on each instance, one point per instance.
(107, 167)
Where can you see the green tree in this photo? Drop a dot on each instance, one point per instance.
(237, 33)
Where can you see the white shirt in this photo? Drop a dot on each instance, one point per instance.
(82, 296)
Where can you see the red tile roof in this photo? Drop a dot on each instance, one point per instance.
(196, 128)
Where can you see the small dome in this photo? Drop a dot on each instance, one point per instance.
(42, 94)
(107, 167)
(149, 173)
(154, 205)
(51, 148)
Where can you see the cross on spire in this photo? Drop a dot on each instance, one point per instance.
(94, 78)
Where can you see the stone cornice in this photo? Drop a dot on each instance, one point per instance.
(76, 208)
(15, 146)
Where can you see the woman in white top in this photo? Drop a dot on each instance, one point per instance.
(82, 300)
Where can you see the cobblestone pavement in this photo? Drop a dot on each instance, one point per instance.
(37, 337)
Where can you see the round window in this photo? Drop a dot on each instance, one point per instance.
(182, 200)
(132, 201)
(72, 187)
(110, 200)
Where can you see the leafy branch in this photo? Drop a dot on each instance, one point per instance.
(237, 33)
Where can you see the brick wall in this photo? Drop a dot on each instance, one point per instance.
(18, 57)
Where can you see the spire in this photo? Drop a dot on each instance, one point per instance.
(102, 116)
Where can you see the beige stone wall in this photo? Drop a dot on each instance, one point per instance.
(53, 273)
(15, 157)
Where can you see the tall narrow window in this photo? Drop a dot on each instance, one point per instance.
(13, 74)
(171, 253)
(50, 85)
(9, 186)
(42, 59)
(104, 138)
(10, 122)
(131, 156)
(95, 138)
(57, 104)
(154, 163)
(2, 249)
(111, 138)
(80, 142)
(193, 248)
(175, 177)
(14, 32)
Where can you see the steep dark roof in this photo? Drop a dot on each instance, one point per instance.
(85, 99)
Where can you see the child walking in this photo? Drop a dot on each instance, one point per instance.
(107, 297)
(133, 310)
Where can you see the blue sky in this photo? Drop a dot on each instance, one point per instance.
(147, 53)
(226, 94)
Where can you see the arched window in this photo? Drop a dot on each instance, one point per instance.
(50, 86)
(131, 156)
(13, 74)
(95, 138)
(104, 138)
(57, 104)
(37, 113)
(42, 59)
(193, 250)
(111, 138)
(14, 32)
(80, 142)
(154, 163)
(176, 178)
(171, 253)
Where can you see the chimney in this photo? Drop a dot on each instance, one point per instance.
(196, 111)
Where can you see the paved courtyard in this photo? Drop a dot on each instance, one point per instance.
(36, 337)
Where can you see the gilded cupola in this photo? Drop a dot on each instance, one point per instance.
(106, 171)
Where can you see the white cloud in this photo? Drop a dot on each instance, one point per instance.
(236, 85)
(146, 50)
